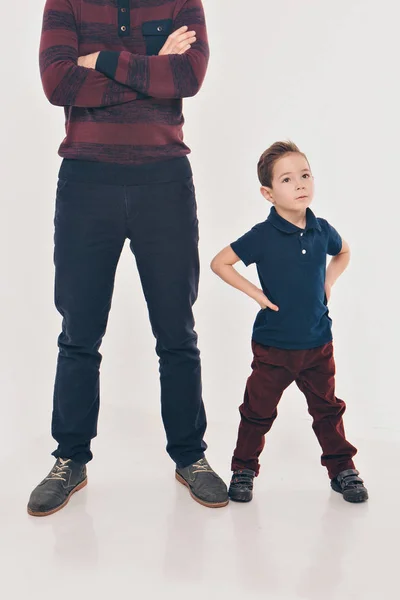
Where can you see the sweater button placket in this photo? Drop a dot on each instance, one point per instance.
(123, 17)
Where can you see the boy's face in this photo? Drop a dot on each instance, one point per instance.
(292, 184)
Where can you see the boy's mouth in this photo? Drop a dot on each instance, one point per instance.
(302, 197)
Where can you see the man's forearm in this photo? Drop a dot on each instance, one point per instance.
(164, 77)
(167, 76)
(65, 83)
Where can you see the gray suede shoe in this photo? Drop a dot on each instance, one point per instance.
(54, 492)
(205, 486)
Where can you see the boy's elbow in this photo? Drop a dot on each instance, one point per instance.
(214, 266)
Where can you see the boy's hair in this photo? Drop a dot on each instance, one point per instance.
(268, 159)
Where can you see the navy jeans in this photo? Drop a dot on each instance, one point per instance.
(92, 221)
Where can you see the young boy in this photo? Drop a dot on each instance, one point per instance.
(292, 338)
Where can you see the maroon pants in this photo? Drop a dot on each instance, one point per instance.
(314, 373)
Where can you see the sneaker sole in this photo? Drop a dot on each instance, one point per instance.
(202, 502)
(357, 499)
(54, 510)
(239, 499)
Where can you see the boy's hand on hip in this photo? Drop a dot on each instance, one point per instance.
(179, 42)
(264, 302)
(88, 61)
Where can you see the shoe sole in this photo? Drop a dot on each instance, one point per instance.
(202, 502)
(357, 499)
(242, 500)
(54, 510)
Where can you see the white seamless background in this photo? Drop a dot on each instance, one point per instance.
(324, 74)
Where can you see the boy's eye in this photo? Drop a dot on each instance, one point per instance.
(306, 175)
(286, 180)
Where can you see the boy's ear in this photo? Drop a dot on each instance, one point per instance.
(267, 193)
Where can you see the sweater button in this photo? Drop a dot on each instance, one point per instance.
(123, 28)
(304, 251)
(160, 28)
(123, 9)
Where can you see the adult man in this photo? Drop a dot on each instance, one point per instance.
(120, 69)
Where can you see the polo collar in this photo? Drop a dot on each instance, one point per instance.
(280, 223)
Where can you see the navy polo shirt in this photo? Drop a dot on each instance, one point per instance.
(291, 265)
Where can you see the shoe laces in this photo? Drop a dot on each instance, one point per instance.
(58, 472)
(202, 466)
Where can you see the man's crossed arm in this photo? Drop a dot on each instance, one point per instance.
(69, 80)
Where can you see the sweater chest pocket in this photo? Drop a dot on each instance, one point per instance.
(155, 34)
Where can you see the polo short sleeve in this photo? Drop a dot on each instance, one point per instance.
(249, 247)
(334, 239)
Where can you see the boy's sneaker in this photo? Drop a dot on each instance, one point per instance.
(241, 487)
(205, 486)
(54, 492)
(350, 485)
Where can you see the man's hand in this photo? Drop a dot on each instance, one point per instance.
(88, 61)
(263, 301)
(179, 42)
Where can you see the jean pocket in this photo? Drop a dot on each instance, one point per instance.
(155, 34)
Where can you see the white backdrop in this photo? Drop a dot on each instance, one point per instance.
(322, 74)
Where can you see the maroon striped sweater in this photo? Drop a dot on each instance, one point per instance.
(129, 109)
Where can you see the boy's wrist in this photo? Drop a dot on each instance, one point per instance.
(256, 293)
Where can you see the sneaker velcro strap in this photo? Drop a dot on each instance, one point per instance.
(349, 477)
(348, 472)
(354, 479)
(242, 478)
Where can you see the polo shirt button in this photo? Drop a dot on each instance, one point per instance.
(159, 28)
(301, 235)
(304, 251)
(123, 28)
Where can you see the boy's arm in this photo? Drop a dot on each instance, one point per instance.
(222, 265)
(336, 267)
(64, 82)
(165, 76)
